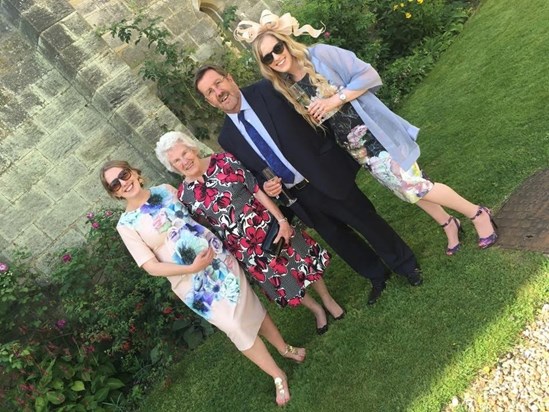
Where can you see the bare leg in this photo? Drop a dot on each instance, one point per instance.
(327, 300)
(317, 310)
(259, 355)
(440, 216)
(270, 332)
(445, 196)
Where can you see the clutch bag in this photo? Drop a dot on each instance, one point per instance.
(268, 244)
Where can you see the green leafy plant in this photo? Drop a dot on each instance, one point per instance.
(96, 334)
(172, 68)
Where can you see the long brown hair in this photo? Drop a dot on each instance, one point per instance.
(282, 81)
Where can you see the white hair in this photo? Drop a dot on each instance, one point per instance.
(167, 141)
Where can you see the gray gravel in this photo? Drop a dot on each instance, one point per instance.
(519, 382)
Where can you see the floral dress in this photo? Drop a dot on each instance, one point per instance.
(351, 134)
(226, 200)
(162, 228)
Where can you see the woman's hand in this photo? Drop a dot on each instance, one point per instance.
(285, 231)
(273, 187)
(203, 260)
(320, 107)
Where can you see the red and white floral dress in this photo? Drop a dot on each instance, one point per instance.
(226, 200)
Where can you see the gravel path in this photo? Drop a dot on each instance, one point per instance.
(520, 381)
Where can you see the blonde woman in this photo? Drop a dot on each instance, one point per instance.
(165, 241)
(340, 92)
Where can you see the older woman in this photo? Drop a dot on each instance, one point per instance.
(219, 188)
(164, 240)
(338, 87)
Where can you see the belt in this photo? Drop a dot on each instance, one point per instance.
(300, 185)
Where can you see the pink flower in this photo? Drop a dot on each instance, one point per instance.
(66, 258)
(95, 225)
(167, 310)
(60, 324)
(327, 34)
(4, 267)
(108, 213)
(89, 349)
(90, 215)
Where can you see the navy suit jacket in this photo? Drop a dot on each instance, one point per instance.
(316, 156)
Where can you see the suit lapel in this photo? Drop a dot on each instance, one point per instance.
(261, 109)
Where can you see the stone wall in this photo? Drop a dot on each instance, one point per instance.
(69, 100)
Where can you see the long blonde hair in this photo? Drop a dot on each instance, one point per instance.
(282, 81)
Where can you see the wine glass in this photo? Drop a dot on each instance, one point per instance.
(285, 198)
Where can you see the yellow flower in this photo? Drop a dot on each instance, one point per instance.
(401, 4)
(419, 1)
(408, 15)
(409, 1)
(395, 7)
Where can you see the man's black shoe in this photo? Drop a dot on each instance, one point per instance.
(375, 293)
(415, 278)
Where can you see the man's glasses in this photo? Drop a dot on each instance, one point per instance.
(124, 174)
(277, 49)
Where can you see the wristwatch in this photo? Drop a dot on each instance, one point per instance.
(342, 97)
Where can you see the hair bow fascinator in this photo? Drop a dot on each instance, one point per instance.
(286, 24)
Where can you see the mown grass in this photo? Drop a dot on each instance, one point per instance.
(483, 114)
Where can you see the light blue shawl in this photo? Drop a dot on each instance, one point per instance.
(342, 68)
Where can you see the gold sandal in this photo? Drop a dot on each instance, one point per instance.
(295, 352)
(280, 391)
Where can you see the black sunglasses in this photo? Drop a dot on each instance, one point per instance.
(124, 174)
(277, 49)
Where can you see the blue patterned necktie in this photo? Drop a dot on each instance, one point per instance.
(270, 156)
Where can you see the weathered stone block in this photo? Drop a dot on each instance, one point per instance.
(69, 208)
(41, 16)
(58, 144)
(46, 261)
(50, 85)
(5, 162)
(23, 174)
(25, 71)
(118, 90)
(13, 115)
(59, 110)
(32, 102)
(84, 7)
(62, 178)
(22, 140)
(33, 240)
(167, 119)
(59, 36)
(92, 191)
(19, 217)
(10, 11)
(204, 30)
(132, 113)
(97, 144)
(20, 5)
(72, 58)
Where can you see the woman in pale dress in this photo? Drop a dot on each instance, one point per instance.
(165, 241)
(336, 81)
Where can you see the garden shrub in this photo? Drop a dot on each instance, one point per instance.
(96, 335)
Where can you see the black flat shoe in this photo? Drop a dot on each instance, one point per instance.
(375, 294)
(322, 330)
(342, 316)
(415, 278)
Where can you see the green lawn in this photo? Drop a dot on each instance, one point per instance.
(483, 114)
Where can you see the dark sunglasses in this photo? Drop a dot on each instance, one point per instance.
(124, 174)
(277, 49)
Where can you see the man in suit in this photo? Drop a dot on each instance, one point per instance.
(262, 130)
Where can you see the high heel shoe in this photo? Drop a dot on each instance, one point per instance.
(451, 251)
(486, 242)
